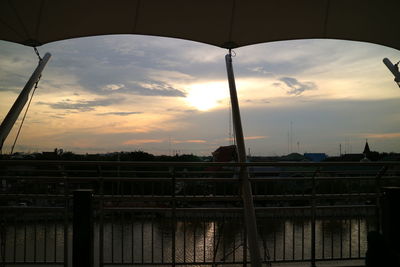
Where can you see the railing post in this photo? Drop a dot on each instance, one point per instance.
(3, 242)
(82, 246)
(313, 217)
(66, 219)
(173, 217)
(101, 211)
(378, 209)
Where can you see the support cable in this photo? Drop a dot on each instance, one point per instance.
(29, 103)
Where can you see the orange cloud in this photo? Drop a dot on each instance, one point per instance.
(250, 138)
(188, 141)
(142, 141)
(255, 137)
(383, 135)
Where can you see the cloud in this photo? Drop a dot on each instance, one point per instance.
(383, 135)
(249, 138)
(113, 87)
(81, 105)
(189, 141)
(155, 88)
(144, 88)
(181, 110)
(257, 101)
(142, 141)
(296, 87)
(261, 70)
(255, 137)
(121, 113)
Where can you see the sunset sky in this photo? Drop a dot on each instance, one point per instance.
(126, 93)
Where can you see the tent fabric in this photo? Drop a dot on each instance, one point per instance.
(222, 23)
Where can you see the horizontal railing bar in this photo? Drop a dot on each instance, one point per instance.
(216, 263)
(183, 164)
(208, 210)
(232, 209)
(191, 209)
(35, 208)
(285, 178)
(50, 196)
(149, 197)
(199, 263)
(119, 179)
(32, 262)
(256, 197)
(146, 198)
(53, 179)
(281, 173)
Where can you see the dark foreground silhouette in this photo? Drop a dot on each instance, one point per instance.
(378, 253)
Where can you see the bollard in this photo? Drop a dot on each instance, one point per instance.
(82, 240)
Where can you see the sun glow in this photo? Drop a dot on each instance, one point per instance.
(207, 96)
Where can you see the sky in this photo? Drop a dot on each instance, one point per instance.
(163, 96)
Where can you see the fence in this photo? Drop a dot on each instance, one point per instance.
(165, 213)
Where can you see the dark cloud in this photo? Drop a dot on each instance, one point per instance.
(257, 101)
(81, 105)
(120, 113)
(277, 84)
(57, 116)
(154, 88)
(101, 62)
(261, 70)
(296, 87)
(181, 110)
(14, 90)
(148, 88)
(12, 82)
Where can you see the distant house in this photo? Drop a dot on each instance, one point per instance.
(293, 157)
(225, 154)
(315, 157)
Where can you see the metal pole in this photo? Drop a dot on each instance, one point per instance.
(313, 217)
(247, 196)
(19, 104)
(378, 206)
(173, 217)
(82, 246)
(313, 220)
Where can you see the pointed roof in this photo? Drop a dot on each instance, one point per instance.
(366, 148)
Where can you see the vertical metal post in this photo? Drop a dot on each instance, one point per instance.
(378, 206)
(173, 217)
(66, 221)
(2, 240)
(82, 246)
(313, 218)
(247, 196)
(101, 210)
(19, 104)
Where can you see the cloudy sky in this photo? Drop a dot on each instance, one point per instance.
(126, 93)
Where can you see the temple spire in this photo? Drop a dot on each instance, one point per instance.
(366, 148)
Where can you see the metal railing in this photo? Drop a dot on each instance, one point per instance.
(167, 213)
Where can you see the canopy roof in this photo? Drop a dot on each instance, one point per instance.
(223, 23)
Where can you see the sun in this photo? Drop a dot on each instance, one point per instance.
(206, 96)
